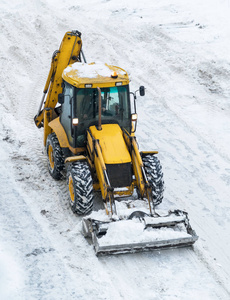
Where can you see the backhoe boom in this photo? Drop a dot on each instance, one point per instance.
(69, 52)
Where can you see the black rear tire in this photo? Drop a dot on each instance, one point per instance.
(55, 156)
(80, 183)
(154, 175)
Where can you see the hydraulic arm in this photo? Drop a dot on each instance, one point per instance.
(70, 51)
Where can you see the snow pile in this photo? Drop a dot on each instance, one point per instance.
(91, 70)
(125, 231)
(133, 231)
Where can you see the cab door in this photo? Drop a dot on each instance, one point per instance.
(66, 113)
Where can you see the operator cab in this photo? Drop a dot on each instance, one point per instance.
(80, 110)
(80, 99)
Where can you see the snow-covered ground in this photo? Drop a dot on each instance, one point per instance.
(180, 51)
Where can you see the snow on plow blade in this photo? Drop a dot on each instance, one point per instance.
(139, 234)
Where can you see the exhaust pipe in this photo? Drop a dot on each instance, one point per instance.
(99, 109)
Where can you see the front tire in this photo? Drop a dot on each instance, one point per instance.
(154, 175)
(55, 156)
(80, 184)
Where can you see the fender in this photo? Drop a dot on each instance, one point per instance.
(57, 127)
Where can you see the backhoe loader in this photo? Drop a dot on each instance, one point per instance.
(89, 125)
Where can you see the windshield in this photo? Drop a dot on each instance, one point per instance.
(115, 108)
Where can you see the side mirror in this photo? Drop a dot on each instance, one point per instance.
(142, 90)
(61, 98)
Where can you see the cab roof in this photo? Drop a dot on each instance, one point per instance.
(82, 75)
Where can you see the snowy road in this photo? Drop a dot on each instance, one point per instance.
(181, 54)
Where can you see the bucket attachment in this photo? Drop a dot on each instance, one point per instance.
(140, 232)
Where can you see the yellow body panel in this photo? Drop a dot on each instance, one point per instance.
(100, 168)
(60, 132)
(90, 145)
(113, 147)
(128, 191)
(96, 74)
(62, 137)
(148, 152)
(71, 159)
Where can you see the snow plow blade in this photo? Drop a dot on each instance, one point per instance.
(139, 233)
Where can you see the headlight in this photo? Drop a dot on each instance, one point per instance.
(75, 121)
(134, 117)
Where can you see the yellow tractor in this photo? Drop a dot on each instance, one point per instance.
(89, 133)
